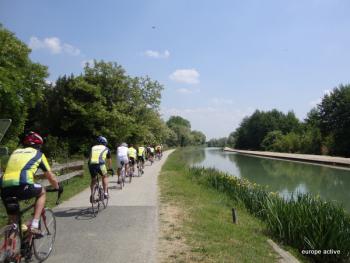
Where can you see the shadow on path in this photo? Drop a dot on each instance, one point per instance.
(77, 213)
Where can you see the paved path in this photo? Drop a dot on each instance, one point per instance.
(297, 157)
(127, 231)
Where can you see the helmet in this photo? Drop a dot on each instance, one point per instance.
(33, 138)
(124, 144)
(102, 140)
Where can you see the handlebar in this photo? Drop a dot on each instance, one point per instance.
(59, 192)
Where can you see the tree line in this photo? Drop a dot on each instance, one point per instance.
(75, 109)
(325, 130)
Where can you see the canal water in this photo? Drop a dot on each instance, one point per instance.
(280, 176)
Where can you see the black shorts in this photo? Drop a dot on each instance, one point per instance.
(22, 192)
(132, 161)
(140, 159)
(97, 169)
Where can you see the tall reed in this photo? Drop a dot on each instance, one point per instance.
(303, 221)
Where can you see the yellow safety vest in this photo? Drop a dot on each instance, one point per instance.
(98, 154)
(140, 151)
(132, 152)
(22, 166)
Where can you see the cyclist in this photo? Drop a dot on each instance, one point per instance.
(132, 158)
(141, 157)
(122, 158)
(97, 164)
(151, 153)
(18, 179)
(159, 151)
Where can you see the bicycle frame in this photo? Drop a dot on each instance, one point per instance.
(25, 243)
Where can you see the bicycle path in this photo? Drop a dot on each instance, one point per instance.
(127, 231)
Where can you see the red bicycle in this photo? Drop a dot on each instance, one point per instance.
(17, 243)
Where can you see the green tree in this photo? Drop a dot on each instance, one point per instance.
(253, 129)
(21, 83)
(334, 114)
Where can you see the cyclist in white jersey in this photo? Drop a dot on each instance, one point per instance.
(122, 156)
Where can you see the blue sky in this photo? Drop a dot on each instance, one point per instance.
(218, 60)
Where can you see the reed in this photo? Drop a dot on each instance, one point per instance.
(303, 221)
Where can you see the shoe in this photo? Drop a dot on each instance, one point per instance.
(106, 195)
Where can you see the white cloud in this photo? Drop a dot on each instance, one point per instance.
(221, 101)
(189, 76)
(69, 49)
(54, 45)
(187, 91)
(157, 54)
(215, 122)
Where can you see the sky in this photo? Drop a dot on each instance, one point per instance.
(218, 61)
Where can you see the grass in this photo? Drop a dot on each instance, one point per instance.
(303, 222)
(206, 222)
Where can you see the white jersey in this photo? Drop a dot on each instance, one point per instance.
(122, 151)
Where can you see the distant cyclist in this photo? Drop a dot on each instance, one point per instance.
(132, 158)
(141, 154)
(151, 154)
(18, 179)
(122, 158)
(97, 164)
(159, 151)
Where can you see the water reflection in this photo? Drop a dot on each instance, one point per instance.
(280, 176)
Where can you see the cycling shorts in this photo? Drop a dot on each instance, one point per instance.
(140, 159)
(122, 159)
(97, 169)
(22, 192)
(132, 160)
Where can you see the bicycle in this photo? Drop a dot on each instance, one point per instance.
(122, 175)
(98, 197)
(140, 167)
(17, 243)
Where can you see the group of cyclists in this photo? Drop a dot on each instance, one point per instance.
(18, 178)
(126, 156)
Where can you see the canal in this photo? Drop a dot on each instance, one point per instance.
(282, 176)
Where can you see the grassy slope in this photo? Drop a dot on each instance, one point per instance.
(207, 224)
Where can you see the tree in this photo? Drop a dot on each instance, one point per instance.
(253, 129)
(198, 138)
(21, 83)
(334, 114)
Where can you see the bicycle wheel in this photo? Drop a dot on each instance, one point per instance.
(10, 244)
(102, 198)
(130, 175)
(43, 246)
(139, 171)
(95, 204)
(123, 176)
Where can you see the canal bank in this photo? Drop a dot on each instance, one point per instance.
(196, 221)
(320, 159)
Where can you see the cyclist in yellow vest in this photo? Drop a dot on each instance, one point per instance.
(141, 153)
(132, 158)
(18, 179)
(97, 164)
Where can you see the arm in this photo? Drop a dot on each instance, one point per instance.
(52, 179)
(109, 162)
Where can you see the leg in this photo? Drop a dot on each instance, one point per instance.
(105, 183)
(39, 204)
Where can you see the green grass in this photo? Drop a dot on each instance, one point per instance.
(207, 224)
